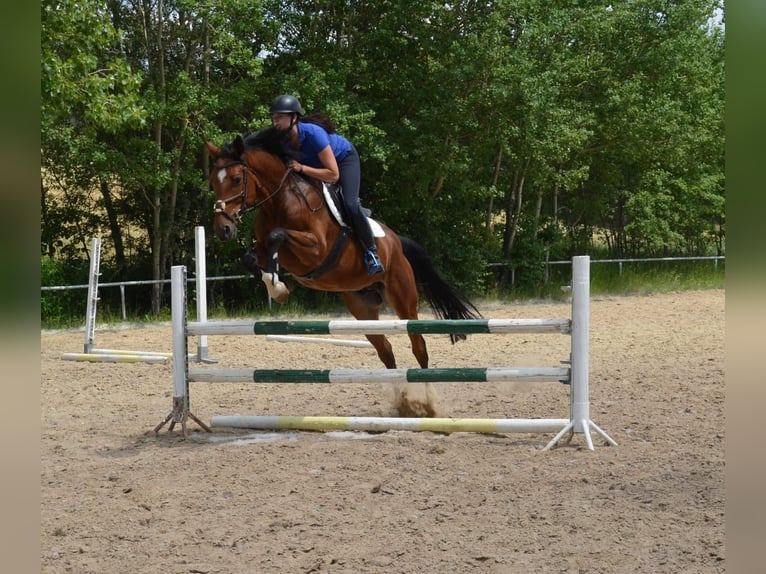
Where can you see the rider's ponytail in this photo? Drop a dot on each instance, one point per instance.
(321, 120)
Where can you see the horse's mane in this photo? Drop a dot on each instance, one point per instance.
(274, 141)
(271, 140)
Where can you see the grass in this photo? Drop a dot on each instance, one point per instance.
(657, 277)
(630, 279)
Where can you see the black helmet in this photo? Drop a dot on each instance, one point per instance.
(285, 104)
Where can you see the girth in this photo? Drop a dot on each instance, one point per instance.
(331, 258)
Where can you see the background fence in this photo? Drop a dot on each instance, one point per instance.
(715, 259)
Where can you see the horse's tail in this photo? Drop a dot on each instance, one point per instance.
(445, 301)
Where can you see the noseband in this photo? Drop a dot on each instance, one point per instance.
(220, 205)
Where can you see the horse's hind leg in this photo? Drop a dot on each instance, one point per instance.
(365, 306)
(402, 295)
(418, 344)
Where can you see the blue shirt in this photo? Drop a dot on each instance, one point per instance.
(314, 138)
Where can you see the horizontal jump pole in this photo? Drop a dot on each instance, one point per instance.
(380, 424)
(466, 375)
(113, 358)
(320, 340)
(130, 352)
(380, 327)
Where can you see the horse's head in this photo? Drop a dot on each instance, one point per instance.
(234, 191)
(237, 183)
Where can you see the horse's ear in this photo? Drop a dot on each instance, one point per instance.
(239, 145)
(214, 151)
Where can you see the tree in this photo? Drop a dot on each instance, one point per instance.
(657, 153)
(88, 92)
(191, 69)
(523, 129)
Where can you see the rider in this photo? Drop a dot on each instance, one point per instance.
(328, 156)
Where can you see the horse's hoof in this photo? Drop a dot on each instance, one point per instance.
(280, 293)
(250, 262)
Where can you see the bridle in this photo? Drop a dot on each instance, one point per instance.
(220, 204)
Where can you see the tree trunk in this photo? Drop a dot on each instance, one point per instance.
(157, 235)
(50, 247)
(114, 227)
(514, 228)
(438, 187)
(513, 204)
(490, 203)
(170, 204)
(513, 210)
(538, 210)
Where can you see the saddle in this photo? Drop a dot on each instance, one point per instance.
(333, 194)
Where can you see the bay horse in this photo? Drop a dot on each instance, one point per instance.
(297, 232)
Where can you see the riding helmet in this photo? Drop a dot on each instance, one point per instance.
(285, 104)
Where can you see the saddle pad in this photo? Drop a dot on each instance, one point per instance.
(377, 230)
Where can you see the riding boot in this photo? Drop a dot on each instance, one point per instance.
(363, 232)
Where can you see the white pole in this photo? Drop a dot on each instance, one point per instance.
(579, 392)
(90, 306)
(113, 358)
(377, 424)
(201, 277)
(180, 412)
(580, 404)
(320, 340)
(122, 301)
(180, 362)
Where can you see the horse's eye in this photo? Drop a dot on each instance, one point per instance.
(237, 179)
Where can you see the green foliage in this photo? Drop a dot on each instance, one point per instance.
(60, 309)
(514, 131)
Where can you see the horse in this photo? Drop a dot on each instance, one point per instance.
(297, 230)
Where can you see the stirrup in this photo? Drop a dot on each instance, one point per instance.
(373, 263)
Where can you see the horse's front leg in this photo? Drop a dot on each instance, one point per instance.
(303, 250)
(270, 275)
(250, 262)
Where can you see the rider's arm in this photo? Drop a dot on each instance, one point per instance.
(329, 170)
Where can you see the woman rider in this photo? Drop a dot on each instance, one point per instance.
(328, 156)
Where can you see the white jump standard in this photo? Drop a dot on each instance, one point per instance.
(92, 354)
(575, 375)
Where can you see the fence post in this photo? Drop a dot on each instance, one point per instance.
(201, 282)
(90, 305)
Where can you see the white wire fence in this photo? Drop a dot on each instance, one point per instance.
(620, 262)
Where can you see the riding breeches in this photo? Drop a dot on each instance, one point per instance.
(350, 180)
